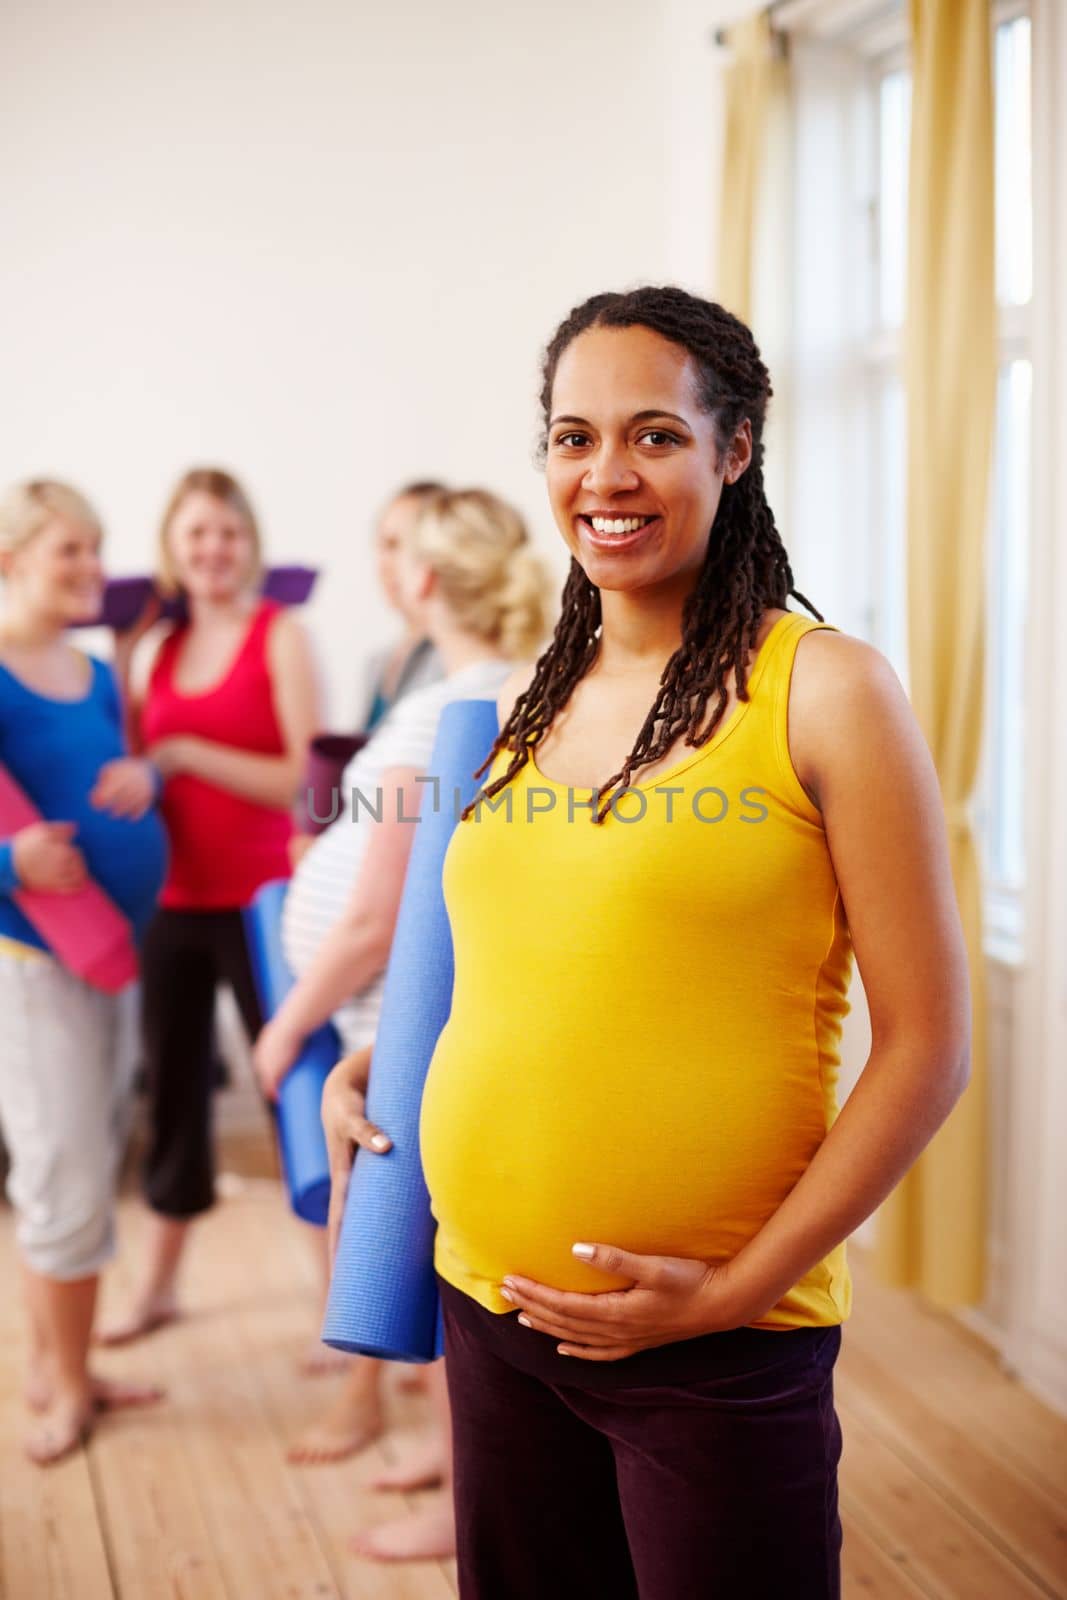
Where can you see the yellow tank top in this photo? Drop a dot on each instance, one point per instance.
(643, 1042)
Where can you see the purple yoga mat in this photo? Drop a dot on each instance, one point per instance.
(126, 598)
(320, 801)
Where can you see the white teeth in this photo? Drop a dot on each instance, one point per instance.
(617, 524)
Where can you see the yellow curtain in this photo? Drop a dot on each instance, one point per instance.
(749, 83)
(931, 1232)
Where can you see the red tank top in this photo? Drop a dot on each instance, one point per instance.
(222, 846)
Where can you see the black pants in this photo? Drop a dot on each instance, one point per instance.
(186, 955)
(701, 1470)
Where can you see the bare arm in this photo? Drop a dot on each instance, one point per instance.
(357, 947)
(858, 749)
(267, 780)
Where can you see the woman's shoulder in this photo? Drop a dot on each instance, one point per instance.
(287, 640)
(846, 703)
(832, 663)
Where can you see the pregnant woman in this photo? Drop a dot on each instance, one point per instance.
(65, 1047)
(467, 576)
(630, 1129)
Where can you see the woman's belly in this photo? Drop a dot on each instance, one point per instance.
(319, 891)
(127, 859)
(528, 1149)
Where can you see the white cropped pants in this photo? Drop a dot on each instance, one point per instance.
(66, 1064)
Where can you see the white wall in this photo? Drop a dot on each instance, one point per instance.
(693, 132)
(322, 245)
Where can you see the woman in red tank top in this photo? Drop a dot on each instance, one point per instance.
(229, 706)
(237, 713)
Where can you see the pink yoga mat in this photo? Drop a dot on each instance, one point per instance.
(85, 930)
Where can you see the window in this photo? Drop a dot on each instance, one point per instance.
(885, 382)
(999, 800)
(894, 121)
(1013, 180)
(1007, 621)
(1000, 809)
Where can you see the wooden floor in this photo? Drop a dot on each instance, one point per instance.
(953, 1482)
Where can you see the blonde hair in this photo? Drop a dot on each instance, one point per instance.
(28, 507)
(219, 485)
(490, 578)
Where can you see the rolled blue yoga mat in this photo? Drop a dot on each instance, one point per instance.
(383, 1295)
(303, 1144)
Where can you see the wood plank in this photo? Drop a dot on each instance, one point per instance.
(870, 1571)
(960, 1376)
(923, 1534)
(53, 1547)
(161, 1544)
(979, 1485)
(263, 1541)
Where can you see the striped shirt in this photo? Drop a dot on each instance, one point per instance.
(324, 879)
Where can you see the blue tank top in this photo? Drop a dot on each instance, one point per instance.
(54, 750)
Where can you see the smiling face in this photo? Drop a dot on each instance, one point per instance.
(211, 547)
(57, 573)
(633, 470)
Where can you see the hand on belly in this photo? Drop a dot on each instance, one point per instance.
(669, 1298)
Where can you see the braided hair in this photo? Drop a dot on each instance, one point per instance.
(745, 569)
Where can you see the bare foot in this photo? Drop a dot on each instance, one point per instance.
(421, 1467)
(114, 1394)
(145, 1317)
(349, 1426)
(428, 1535)
(37, 1391)
(412, 1378)
(63, 1428)
(106, 1394)
(321, 1361)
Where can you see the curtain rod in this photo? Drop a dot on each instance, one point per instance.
(837, 18)
(779, 40)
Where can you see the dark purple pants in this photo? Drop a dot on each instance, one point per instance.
(702, 1470)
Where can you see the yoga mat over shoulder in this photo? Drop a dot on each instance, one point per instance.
(126, 598)
(305, 1161)
(383, 1295)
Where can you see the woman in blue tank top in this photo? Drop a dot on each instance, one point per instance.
(64, 1056)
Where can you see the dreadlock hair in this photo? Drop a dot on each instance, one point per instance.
(745, 570)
